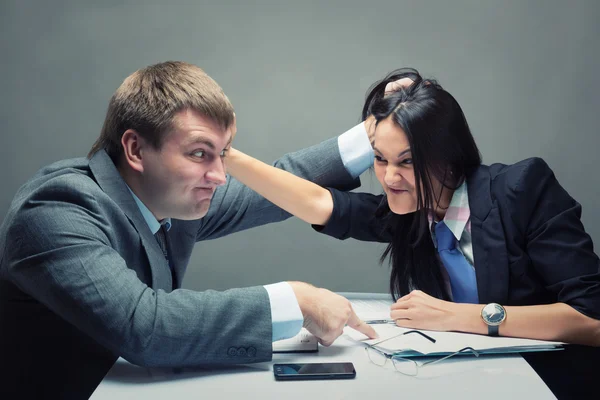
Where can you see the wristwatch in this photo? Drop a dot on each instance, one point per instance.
(493, 315)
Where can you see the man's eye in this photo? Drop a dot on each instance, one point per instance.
(198, 153)
(223, 153)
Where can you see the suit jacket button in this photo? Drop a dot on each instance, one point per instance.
(241, 351)
(232, 351)
(251, 352)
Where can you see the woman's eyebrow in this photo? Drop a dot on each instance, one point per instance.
(404, 152)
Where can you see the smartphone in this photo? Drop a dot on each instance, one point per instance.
(332, 370)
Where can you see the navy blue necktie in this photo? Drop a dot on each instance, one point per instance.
(462, 275)
(161, 238)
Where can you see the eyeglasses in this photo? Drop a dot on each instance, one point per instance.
(407, 366)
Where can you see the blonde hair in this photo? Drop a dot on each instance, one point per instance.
(148, 99)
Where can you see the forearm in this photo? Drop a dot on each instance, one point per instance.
(559, 322)
(302, 198)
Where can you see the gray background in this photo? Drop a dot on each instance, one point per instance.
(525, 73)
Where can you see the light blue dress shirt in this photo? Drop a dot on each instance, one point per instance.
(355, 150)
(286, 317)
(152, 222)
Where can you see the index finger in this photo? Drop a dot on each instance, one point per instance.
(356, 323)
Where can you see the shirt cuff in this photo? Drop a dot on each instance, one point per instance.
(355, 150)
(286, 316)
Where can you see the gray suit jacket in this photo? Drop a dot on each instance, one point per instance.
(83, 280)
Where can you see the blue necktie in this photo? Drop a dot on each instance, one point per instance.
(462, 275)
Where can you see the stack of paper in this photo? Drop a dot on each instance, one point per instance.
(391, 339)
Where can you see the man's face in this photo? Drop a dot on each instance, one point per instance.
(180, 178)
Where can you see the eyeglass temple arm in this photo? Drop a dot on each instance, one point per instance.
(466, 349)
(432, 340)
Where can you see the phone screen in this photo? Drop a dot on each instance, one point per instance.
(341, 370)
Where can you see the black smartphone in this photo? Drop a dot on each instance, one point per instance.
(331, 370)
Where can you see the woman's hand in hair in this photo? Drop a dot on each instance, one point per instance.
(390, 88)
(397, 85)
(418, 310)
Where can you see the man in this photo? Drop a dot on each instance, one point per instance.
(93, 251)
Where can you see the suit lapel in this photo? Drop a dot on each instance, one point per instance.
(489, 244)
(114, 186)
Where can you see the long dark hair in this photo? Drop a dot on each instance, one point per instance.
(443, 147)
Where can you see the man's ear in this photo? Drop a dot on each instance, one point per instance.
(133, 145)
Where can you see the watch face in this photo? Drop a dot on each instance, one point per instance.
(493, 314)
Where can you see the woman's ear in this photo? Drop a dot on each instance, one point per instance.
(133, 145)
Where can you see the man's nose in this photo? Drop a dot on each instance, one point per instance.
(216, 173)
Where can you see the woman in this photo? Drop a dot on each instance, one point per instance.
(496, 249)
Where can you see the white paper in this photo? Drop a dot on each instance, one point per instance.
(371, 309)
(391, 340)
(304, 341)
(446, 342)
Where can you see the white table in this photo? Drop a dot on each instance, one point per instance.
(486, 377)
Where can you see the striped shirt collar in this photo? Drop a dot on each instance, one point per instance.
(458, 213)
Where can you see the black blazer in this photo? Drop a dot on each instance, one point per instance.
(529, 244)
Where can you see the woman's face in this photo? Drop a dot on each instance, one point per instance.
(394, 167)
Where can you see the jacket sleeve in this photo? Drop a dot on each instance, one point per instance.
(60, 252)
(560, 250)
(236, 207)
(354, 216)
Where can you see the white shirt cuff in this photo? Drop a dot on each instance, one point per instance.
(355, 150)
(286, 315)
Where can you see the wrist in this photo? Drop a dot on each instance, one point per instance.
(232, 160)
(303, 291)
(468, 318)
(493, 315)
(370, 123)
